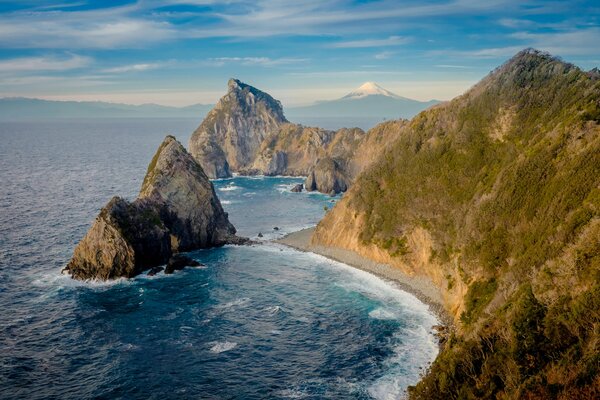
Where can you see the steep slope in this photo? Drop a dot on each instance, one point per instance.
(177, 210)
(248, 134)
(231, 133)
(495, 196)
(295, 149)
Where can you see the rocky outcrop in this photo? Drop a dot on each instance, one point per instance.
(327, 177)
(297, 188)
(177, 210)
(247, 133)
(231, 134)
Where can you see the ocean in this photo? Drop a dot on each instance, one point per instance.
(256, 322)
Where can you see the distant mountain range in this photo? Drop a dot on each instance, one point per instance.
(20, 108)
(368, 101)
(363, 107)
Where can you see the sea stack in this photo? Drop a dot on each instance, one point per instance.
(177, 210)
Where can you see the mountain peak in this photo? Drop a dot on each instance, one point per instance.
(369, 89)
(530, 65)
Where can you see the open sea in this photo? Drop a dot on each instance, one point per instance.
(257, 322)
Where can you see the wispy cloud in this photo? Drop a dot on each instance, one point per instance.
(384, 55)
(131, 68)
(390, 41)
(450, 66)
(29, 64)
(264, 61)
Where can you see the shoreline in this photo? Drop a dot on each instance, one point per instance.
(420, 287)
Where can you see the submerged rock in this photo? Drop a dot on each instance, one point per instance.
(297, 188)
(179, 262)
(177, 210)
(155, 270)
(327, 176)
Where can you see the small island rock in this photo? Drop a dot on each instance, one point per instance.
(177, 210)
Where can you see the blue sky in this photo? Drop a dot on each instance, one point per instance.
(182, 52)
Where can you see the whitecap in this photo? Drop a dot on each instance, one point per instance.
(291, 394)
(235, 303)
(229, 188)
(382, 313)
(220, 347)
(273, 310)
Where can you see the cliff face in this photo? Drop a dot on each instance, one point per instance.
(232, 132)
(247, 133)
(495, 196)
(327, 177)
(177, 210)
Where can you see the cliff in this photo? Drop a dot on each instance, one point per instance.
(247, 133)
(495, 197)
(232, 132)
(177, 210)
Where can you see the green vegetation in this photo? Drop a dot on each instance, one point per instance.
(150, 171)
(506, 179)
(479, 295)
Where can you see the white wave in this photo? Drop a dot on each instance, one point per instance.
(229, 188)
(382, 313)
(235, 303)
(275, 332)
(291, 394)
(273, 310)
(220, 347)
(226, 202)
(60, 280)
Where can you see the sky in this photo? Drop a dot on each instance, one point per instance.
(182, 52)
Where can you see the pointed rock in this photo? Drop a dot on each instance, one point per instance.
(231, 134)
(177, 210)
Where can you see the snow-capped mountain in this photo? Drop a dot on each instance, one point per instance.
(369, 89)
(363, 107)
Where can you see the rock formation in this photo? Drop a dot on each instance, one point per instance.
(177, 210)
(247, 133)
(232, 132)
(327, 177)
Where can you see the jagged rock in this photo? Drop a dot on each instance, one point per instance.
(260, 234)
(155, 270)
(276, 228)
(297, 188)
(231, 133)
(327, 177)
(177, 210)
(178, 262)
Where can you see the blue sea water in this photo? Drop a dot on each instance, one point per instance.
(256, 322)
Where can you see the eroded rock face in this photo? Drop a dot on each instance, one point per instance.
(327, 177)
(231, 133)
(177, 210)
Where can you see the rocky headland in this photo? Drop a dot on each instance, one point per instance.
(494, 198)
(247, 133)
(177, 210)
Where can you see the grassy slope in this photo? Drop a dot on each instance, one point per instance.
(505, 181)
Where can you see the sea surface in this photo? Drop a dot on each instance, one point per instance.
(256, 322)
